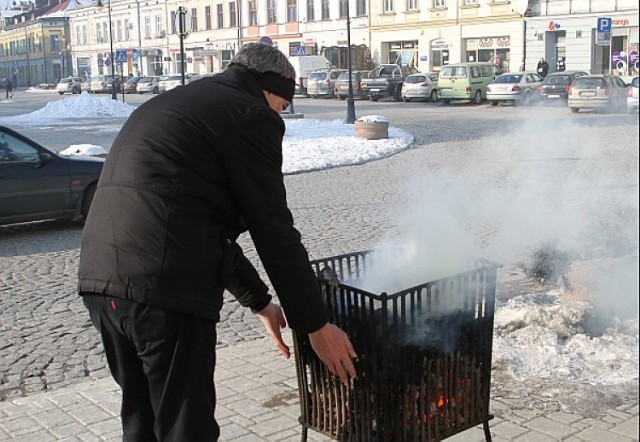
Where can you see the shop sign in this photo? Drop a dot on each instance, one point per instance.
(439, 44)
(485, 42)
(620, 22)
(553, 26)
(504, 42)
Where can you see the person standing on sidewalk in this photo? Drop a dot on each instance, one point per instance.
(187, 174)
(8, 88)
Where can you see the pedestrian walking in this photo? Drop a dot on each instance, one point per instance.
(543, 67)
(8, 88)
(186, 175)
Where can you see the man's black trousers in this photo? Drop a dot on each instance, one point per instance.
(164, 363)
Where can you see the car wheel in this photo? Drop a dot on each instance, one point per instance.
(342, 97)
(374, 98)
(87, 200)
(61, 93)
(156, 91)
(406, 99)
(477, 98)
(493, 103)
(575, 110)
(433, 97)
(447, 102)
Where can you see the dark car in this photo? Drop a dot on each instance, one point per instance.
(131, 85)
(555, 86)
(39, 184)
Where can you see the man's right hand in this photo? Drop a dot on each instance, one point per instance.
(333, 347)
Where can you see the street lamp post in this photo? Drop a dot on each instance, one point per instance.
(114, 95)
(351, 110)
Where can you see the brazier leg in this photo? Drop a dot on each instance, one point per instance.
(304, 434)
(487, 433)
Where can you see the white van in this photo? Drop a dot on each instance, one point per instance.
(305, 65)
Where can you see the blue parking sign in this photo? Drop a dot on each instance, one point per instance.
(604, 24)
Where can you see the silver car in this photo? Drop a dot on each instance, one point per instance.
(149, 85)
(169, 82)
(422, 86)
(71, 85)
(606, 92)
(323, 82)
(518, 88)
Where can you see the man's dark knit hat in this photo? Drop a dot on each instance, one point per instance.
(276, 84)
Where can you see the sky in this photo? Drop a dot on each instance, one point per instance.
(542, 345)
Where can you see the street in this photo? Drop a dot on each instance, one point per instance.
(491, 180)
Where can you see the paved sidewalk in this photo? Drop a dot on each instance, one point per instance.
(258, 401)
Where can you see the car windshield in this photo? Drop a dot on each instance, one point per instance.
(589, 83)
(97, 78)
(557, 79)
(453, 72)
(509, 78)
(415, 79)
(146, 79)
(318, 76)
(66, 80)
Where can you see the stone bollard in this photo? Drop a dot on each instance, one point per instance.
(372, 127)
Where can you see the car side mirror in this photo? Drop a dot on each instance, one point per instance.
(44, 159)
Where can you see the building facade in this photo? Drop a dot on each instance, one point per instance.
(157, 37)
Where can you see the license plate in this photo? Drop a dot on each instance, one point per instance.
(553, 96)
(588, 94)
(446, 88)
(375, 90)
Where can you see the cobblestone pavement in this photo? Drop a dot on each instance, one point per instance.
(47, 342)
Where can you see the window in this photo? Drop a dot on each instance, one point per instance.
(292, 10)
(233, 15)
(325, 9)
(272, 14)
(147, 27)
(388, 6)
(98, 34)
(158, 27)
(78, 35)
(194, 19)
(220, 16)
(361, 7)
(344, 5)
(311, 16)
(174, 29)
(412, 5)
(84, 34)
(253, 13)
(207, 17)
(470, 2)
(105, 32)
(127, 33)
(439, 4)
(15, 150)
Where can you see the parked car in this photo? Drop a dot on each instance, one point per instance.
(169, 82)
(555, 86)
(323, 82)
(607, 92)
(71, 85)
(103, 84)
(39, 184)
(386, 81)
(304, 66)
(518, 88)
(131, 85)
(466, 81)
(632, 96)
(342, 84)
(149, 85)
(422, 86)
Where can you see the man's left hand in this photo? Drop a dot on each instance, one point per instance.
(273, 320)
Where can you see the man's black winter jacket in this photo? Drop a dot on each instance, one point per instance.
(189, 171)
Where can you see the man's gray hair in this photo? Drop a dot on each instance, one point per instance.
(261, 58)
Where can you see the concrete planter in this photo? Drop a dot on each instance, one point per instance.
(372, 130)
